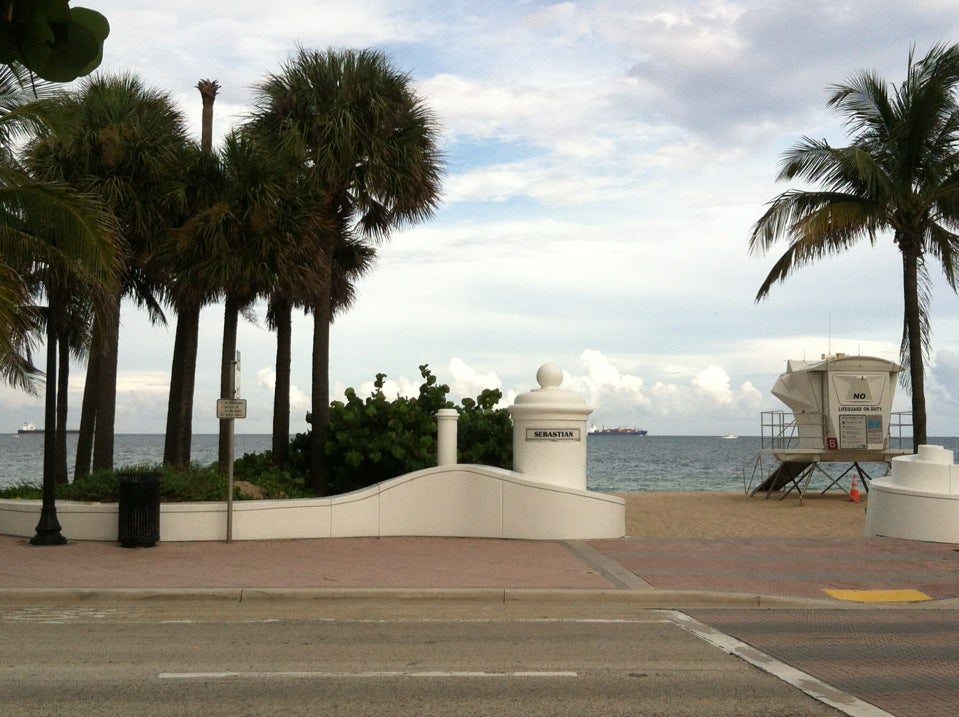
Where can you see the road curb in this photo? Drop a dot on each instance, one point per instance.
(665, 599)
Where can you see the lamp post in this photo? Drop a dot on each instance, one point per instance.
(48, 527)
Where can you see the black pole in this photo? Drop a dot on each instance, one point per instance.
(48, 529)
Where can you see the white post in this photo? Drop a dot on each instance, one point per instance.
(446, 420)
(234, 371)
(228, 409)
(549, 432)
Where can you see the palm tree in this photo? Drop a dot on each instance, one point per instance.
(369, 142)
(124, 143)
(177, 263)
(899, 175)
(53, 237)
(189, 293)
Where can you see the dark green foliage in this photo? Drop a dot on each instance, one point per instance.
(176, 486)
(374, 439)
(22, 491)
(195, 484)
(484, 432)
(273, 482)
(53, 40)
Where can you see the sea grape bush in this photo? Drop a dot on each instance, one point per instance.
(373, 439)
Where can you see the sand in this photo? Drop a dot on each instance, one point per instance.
(719, 515)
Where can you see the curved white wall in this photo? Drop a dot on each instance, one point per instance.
(450, 500)
(918, 500)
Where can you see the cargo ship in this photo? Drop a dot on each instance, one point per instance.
(617, 431)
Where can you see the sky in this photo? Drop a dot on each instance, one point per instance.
(605, 161)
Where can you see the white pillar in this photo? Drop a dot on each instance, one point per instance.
(446, 419)
(549, 432)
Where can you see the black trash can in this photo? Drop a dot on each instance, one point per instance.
(138, 510)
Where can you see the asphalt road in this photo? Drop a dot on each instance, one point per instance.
(131, 661)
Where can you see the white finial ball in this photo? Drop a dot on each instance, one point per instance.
(549, 375)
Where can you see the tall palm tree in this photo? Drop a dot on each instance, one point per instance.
(177, 263)
(899, 176)
(124, 143)
(51, 233)
(371, 144)
(189, 293)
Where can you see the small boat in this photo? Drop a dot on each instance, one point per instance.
(617, 431)
(729, 436)
(29, 429)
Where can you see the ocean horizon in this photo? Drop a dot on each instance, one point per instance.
(615, 464)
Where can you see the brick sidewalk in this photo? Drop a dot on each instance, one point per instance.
(795, 567)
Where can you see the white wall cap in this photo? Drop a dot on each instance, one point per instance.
(550, 376)
(934, 454)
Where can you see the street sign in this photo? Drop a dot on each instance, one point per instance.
(231, 408)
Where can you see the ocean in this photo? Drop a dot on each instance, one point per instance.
(614, 463)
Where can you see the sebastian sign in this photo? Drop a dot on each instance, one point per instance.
(552, 434)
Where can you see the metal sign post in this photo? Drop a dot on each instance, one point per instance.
(231, 408)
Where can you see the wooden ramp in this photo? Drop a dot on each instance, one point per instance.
(785, 474)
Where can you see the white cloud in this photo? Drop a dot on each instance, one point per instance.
(605, 164)
(465, 382)
(266, 378)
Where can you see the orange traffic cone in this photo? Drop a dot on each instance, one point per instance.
(854, 490)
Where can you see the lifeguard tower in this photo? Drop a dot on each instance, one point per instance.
(841, 412)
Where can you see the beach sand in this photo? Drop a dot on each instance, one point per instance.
(720, 515)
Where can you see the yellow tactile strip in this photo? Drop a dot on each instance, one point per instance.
(906, 595)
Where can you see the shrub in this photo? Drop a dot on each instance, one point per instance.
(274, 482)
(485, 433)
(194, 484)
(371, 440)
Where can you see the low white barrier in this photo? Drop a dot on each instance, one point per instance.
(451, 500)
(918, 500)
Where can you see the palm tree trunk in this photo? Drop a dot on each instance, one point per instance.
(88, 407)
(913, 321)
(320, 392)
(179, 420)
(106, 395)
(281, 392)
(63, 385)
(231, 318)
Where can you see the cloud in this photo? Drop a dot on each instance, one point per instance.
(708, 399)
(153, 382)
(605, 162)
(266, 378)
(943, 383)
(465, 382)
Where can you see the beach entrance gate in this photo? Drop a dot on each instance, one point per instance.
(841, 412)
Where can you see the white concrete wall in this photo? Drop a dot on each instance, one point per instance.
(918, 500)
(451, 500)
